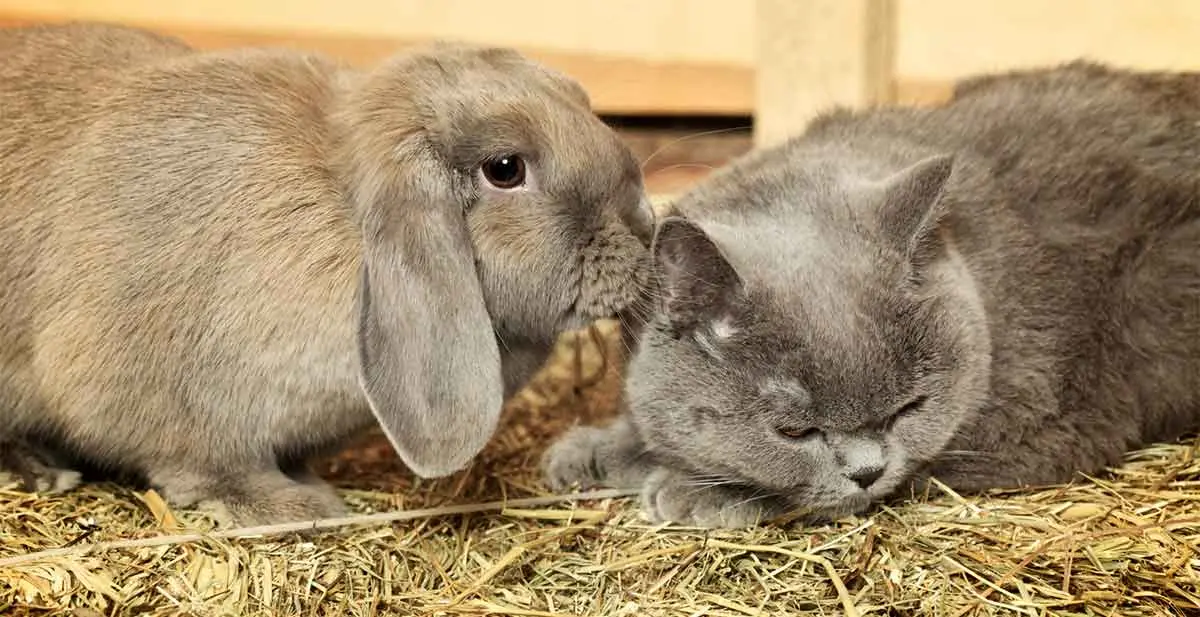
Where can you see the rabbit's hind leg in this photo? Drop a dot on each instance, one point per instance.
(251, 497)
(35, 469)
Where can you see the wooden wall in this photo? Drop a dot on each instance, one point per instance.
(635, 56)
(940, 40)
(813, 53)
(781, 60)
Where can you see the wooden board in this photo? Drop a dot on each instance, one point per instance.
(941, 40)
(813, 54)
(668, 57)
(781, 60)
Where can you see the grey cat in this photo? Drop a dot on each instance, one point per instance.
(1000, 291)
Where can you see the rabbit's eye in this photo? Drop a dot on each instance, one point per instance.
(506, 172)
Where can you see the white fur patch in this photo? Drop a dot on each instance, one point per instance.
(723, 328)
(860, 453)
(719, 330)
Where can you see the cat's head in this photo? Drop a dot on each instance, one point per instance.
(820, 343)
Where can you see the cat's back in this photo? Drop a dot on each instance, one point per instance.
(1094, 84)
(1073, 125)
(1055, 139)
(1079, 210)
(1058, 169)
(1075, 107)
(1081, 142)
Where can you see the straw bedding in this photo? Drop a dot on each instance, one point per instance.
(1126, 543)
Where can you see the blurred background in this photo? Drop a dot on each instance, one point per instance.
(698, 81)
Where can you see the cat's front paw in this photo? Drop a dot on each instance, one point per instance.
(572, 460)
(668, 496)
(590, 456)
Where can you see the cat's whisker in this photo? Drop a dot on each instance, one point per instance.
(710, 477)
(707, 481)
(966, 454)
(710, 480)
(707, 484)
(757, 495)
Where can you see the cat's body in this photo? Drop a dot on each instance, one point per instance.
(1000, 291)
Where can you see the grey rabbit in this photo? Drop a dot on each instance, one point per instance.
(1000, 291)
(219, 264)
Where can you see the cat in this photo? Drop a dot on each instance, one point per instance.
(999, 291)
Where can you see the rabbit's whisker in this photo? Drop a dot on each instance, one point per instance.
(704, 166)
(680, 140)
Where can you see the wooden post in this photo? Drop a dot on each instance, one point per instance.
(813, 54)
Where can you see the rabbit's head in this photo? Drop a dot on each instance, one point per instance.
(496, 211)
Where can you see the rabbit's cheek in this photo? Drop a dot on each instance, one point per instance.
(616, 270)
(527, 274)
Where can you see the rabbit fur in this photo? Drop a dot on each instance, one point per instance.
(219, 264)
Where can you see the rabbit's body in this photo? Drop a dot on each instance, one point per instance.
(181, 242)
(50, 325)
(1000, 291)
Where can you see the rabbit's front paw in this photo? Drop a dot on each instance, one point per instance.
(669, 496)
(295, 502)
(37, 471)
(254, 498)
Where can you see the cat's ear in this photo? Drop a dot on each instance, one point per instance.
(696, 282)
(913, 210)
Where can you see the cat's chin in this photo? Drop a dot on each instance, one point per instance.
(829, 510)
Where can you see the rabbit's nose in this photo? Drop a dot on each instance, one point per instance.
(640, 220)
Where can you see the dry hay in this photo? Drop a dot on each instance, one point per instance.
(1124, 544)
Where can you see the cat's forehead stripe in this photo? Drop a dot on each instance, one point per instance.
(800, 263)
(785, 387)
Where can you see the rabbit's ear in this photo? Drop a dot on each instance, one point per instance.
(428, 357)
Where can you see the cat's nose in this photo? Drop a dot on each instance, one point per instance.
(866, 476)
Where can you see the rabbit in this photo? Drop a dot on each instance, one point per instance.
(1001, 291)
(220, 264)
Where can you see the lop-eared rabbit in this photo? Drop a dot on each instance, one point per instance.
(219, 264)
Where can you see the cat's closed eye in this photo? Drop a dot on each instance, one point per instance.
(904, 410)
(798, 433)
